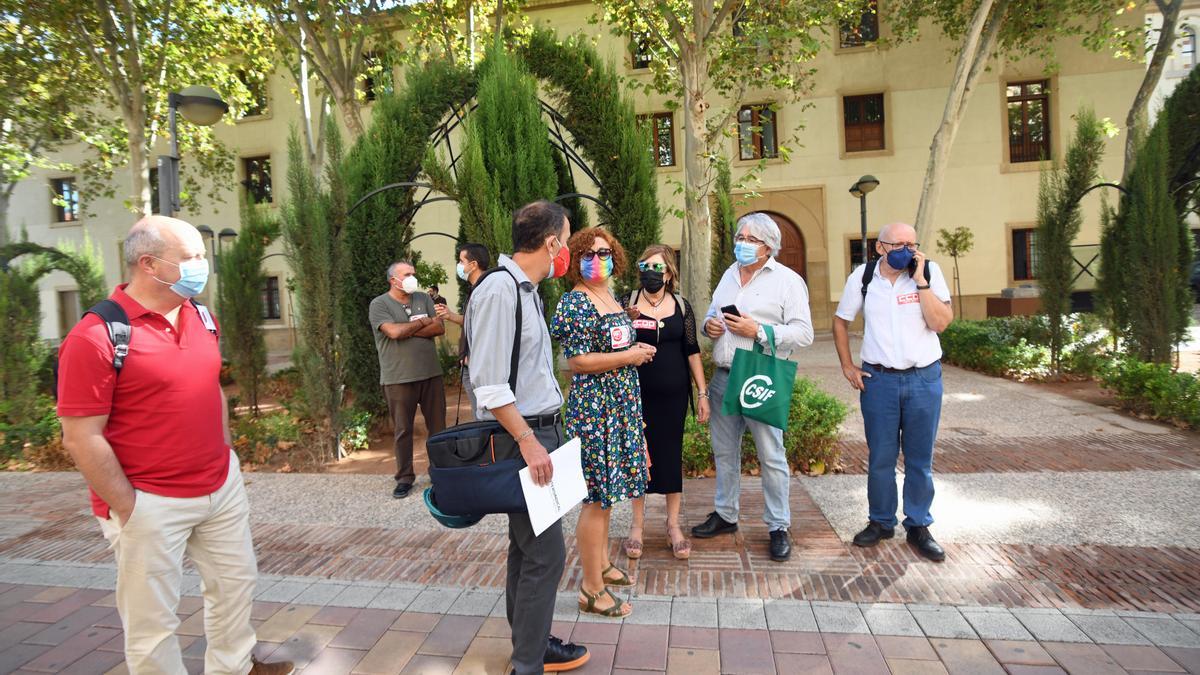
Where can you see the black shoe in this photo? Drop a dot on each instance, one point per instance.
(562, 656)
(873, 533)
(402, 490)
(920, 539)
(713, 526)
(781, 545)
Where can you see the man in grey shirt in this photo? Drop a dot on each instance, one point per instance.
(405, 322)
(531, 415)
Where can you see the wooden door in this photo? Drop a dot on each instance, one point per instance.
(792, 251)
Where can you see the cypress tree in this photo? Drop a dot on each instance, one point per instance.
(377, 234)
(310, 222)
(240, 294)
(1155, 254)
(513, 140)
(1059, 220)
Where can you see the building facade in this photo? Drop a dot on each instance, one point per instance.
(873, 110)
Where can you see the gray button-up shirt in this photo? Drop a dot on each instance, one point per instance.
(490, 326)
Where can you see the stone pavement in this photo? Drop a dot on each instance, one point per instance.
(1072, 533)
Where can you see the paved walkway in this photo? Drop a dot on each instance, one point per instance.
(1072, 532)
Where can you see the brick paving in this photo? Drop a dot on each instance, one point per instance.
(51, 629)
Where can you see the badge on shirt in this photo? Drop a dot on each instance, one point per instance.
(647, 324)
(416, 317)
(621, 336)
(908, 298)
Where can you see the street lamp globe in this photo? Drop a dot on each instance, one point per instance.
(867, 183)
(202, 105)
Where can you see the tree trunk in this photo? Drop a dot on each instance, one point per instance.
(5, 195)
(977, 46)
(139, 164)
(1166, 42)
(697, 225)
(351, 115)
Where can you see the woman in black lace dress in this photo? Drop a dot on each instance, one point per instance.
(664, 319)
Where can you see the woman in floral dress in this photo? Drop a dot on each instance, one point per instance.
(604, 407)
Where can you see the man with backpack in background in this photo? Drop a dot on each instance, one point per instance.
(905, 304)
(144, 417)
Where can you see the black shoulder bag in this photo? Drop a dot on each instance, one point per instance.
(474, 466)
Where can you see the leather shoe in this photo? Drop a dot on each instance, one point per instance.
(920, 539)
(713, 526)
(562, 656)
(781, 545)
(873, 533)
(402, 490)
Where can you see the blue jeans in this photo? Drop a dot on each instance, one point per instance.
(727, 433)
(900, 412)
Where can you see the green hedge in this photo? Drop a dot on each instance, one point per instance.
(814, 423)
(1018, 346)
(1155, 390)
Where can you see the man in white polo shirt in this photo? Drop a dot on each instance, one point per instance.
(905, 304)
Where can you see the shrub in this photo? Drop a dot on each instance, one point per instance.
(993, 347)
(1018, 346)
(1155, 390)
(814, 424)
(448, 357)
(356, 433)
(256, 439)
(37, 428)
(697, 448)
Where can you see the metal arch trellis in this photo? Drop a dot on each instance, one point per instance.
(455, 118)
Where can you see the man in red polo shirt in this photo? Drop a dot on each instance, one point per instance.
(153, 443)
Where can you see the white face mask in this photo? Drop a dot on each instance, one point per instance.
(410, 284)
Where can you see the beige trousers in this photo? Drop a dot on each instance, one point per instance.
(214, 531)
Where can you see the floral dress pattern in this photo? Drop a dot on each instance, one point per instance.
(603, 410)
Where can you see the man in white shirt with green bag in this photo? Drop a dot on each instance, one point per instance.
(756, 291)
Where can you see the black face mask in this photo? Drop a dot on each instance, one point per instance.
(652, 281)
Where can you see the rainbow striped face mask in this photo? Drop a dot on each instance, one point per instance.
(596, 268)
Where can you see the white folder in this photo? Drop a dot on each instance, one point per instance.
(547, 504)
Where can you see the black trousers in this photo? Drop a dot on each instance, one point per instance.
(535, 566)
(402, 400)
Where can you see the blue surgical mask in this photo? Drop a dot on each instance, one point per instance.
(193, 276)
(745, 253)
(461, 271)
(899, 258)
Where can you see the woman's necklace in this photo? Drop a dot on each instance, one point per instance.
(657, 317)
(603, 302)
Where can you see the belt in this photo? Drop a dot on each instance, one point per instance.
(542, 421)
(897, 371)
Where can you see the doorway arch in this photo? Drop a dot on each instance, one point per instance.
(792, 251)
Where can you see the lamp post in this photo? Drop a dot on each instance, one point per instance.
(860, 189)
(200, 105)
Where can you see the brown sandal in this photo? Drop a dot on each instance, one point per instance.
(682, 550)
(621, 581)
(633, 548)
(589, 607)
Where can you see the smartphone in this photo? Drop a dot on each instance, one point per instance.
(730, 309)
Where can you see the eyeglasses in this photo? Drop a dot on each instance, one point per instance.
(741, 239)
(604, 253)
(895, 246)
(652, 267)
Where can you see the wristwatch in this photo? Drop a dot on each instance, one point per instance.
(922, 288)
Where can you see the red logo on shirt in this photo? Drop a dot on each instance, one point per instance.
(908, 298)
(647, 324)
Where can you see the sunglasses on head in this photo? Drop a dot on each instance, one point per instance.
(603, 253)
(652, 267)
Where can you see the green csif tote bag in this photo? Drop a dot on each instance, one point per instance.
(760, 385)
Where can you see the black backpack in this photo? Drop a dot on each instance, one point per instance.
(116, 321)
(869, 273)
